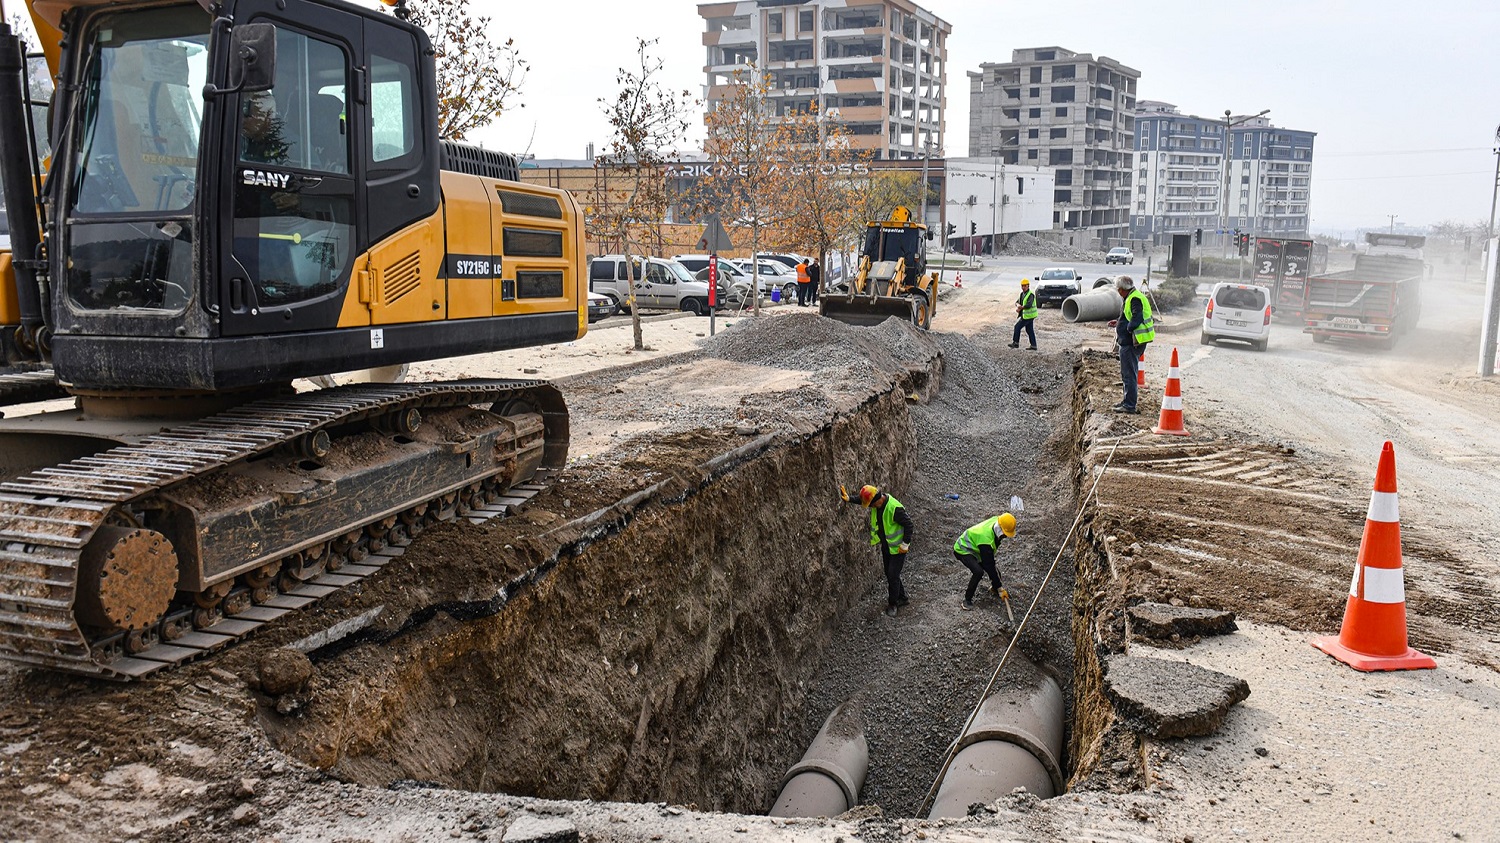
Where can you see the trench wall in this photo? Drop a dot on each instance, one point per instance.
(661, 658)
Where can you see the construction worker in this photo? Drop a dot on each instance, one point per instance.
(814, 280)
(804, 284)
(975, 549)
(891, 531)
(1026, 310)
(1133, 330)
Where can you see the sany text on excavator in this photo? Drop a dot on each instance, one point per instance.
(239, 195)
(892, 279)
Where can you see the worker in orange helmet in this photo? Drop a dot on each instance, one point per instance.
(891, 531)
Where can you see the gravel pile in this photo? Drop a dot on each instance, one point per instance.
(812, 343)
(1025, 245)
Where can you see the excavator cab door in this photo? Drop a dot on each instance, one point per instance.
(292, 223)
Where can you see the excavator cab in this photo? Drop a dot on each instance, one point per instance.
(891, 279)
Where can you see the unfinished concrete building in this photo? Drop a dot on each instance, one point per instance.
(1073, 112)
(880, 66)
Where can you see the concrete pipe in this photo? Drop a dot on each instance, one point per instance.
(1016, 740)
(826, 782)
(1093, 306)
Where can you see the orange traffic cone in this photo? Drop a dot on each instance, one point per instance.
(1140, 371)
(1373, 636)
(1170, 421)
(958, 280)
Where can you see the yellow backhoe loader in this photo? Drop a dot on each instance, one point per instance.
(891, 279)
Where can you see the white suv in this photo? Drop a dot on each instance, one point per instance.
(1238, 312)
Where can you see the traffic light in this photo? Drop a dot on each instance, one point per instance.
(973, 228)
(1198, 237)
(1244, 244)
(952, 229)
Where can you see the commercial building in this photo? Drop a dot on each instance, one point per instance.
(880, 66)
(1182, 180)
(986, 195)
(1074, 113)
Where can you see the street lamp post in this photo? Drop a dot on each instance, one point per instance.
(997, 193)
(1225, 146)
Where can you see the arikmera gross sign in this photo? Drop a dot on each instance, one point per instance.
(693, 171)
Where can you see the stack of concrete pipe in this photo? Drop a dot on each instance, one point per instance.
(1016, 740)
(1093, 306)
(826, 782)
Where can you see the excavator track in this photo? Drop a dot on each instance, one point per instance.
(49, 520)
(28, 386)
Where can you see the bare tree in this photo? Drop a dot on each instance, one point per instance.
(747, 183)
(477, 77)
(820, 183)
(632, 187)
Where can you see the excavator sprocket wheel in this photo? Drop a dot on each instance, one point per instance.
(127, 578)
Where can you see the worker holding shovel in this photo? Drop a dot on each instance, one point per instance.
(975, 549)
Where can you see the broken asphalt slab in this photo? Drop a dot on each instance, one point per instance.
(1161, 621)
(1168, 699)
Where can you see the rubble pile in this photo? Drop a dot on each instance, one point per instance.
(1027, 246)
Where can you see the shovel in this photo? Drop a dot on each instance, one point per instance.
(1005, 598)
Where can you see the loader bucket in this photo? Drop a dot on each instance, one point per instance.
(865, 310)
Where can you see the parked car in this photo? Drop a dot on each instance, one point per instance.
(787, 258)
(737, 279)
(1238, 312)
(601, 307)
(1121, 255)
(1057, 283)
(773, 275)
(660, 284)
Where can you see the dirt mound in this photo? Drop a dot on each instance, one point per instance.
(808, 342)
(1025, 245)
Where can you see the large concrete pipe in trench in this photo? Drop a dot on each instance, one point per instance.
(826, 782)
(1016, 740)
(1093, 306)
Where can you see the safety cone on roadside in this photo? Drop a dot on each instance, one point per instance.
(958, 280)
(1373, 636)
(1140, 371)
(1170, 421)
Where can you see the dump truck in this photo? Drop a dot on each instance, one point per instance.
(1376, 301)
(892, 277)
(240, 198)
(1282, 266)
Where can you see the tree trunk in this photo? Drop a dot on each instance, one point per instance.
(755, 267)
(635, 310)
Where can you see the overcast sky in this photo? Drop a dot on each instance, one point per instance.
(1404, 96)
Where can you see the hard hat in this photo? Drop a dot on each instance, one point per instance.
(868, 494)
(1025, 282)
(1006, 524)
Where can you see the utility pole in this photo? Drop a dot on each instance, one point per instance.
(1491, 324)
(1229, 124)
(926, 156)
(1393, 222)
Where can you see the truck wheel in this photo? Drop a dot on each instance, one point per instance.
(1320, 338)
(697, 307)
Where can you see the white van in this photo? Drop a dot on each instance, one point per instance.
(659, 284)
(1238, 312)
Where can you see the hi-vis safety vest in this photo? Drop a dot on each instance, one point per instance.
(1028, 304)
(977, 536)
(802, 276)
(894, 534)
(1147, 331)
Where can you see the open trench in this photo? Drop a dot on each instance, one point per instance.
(685, 645)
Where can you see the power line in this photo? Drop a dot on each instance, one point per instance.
(1403, 152)
(1415, 176)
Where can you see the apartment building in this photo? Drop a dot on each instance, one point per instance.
(880, 66)
(1181, 179)
(1072, 112)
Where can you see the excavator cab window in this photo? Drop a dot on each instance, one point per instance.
(293, 195)
(139, 117)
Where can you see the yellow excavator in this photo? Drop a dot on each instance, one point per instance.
(891, 279)
(240, 194)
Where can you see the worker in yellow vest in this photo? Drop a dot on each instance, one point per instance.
(1026, 310)
(1133, 331)
(975, 550)
(891, 531)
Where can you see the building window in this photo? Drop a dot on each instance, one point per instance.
(1059, 133)
(1031, 154)
(1064, 178)
(805, 21)
(1046, 55)
(1036, 74)
(1064, 71)
(1012, 114)
(1062, 93)
(1032, 133)
(1013, 93)
(1062, 111)
(1056, 157)
(776, 22)
(1062, 196)
(1034, 93)
(1035, 114)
